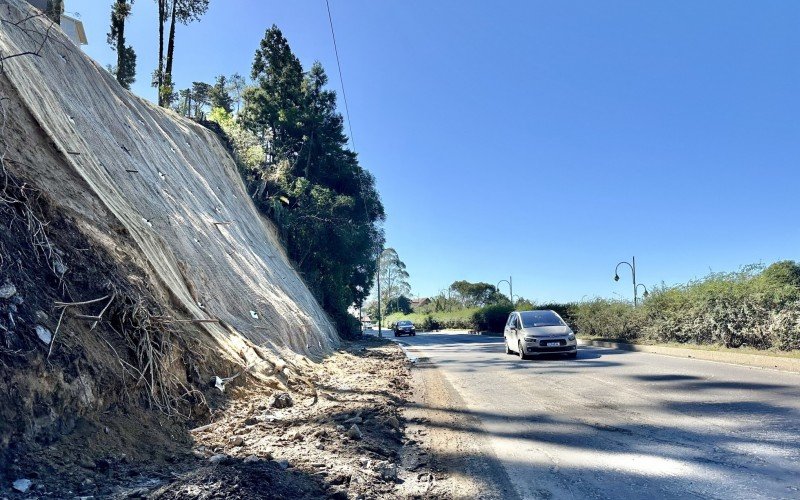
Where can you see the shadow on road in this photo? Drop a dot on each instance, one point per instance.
(690, 435)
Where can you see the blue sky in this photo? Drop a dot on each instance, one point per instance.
(543, 140)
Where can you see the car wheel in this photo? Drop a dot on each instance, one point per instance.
(508, 349)
(521, 351)
(414, 334)
(572, 355)
(396, 335)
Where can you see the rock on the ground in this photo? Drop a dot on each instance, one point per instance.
(388, 471)
(354, 420)
(393, 422)
(22, 485)
(218, 458)
(7, 291)
(354, 432)
(236, 440)
(251, 459)
(44, 334)
(282, 400)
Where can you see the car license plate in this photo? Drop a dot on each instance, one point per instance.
(553, 344)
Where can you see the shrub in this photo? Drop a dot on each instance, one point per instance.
(429, 324)
(751, 307)
(607, 318)
(491, 318)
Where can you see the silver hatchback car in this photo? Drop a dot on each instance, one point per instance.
(531, 333)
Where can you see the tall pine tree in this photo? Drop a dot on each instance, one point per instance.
(324, 203)
(125, 70)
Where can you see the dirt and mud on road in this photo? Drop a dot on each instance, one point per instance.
(355, 431)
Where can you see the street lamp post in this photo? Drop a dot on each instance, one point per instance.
(632, 265)
(510, 288)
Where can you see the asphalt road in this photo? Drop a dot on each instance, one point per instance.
(618, 424)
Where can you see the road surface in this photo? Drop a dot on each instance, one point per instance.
(616, 424)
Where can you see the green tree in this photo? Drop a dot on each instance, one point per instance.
(219, 96)
(785, 272)
(125, 70)
(246, 148)
(274, 107)
(476, 294)
(236, 86)
(392, 277)
(400, 304)
(201, 95)
(322, 201)
(172, 11)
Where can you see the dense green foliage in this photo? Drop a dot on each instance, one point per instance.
(324, 204)
(492, 318)
(401, 304)
(744, 308)
(474, 294)
(451, 320)
(125, 69)
(219, 96)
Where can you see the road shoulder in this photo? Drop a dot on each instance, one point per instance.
(463, 464)
(745, 359)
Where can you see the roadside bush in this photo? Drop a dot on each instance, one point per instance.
(567, 311)
(491, 318)
(751, 307)
(607, 318)
(430, 324)
(445, 320)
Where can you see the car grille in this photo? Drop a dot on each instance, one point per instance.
(570, 348)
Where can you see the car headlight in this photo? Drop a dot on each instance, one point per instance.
(530, 339)
(571, 336)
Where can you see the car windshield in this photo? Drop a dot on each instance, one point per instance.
(540, 318)
(403, 323)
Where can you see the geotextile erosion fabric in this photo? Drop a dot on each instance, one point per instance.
(170, 184)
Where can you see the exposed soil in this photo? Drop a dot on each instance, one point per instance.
(255, 447)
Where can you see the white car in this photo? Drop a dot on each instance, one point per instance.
(531, 333)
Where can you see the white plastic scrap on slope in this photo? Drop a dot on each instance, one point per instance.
(170, 183)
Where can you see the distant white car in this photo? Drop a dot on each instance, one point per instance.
(531, 333)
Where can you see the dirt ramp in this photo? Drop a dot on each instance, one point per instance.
(166, 183)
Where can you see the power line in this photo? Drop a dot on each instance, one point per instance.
(341, 80)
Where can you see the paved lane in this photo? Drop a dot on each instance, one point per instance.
(618, 424)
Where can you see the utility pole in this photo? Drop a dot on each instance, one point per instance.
(380, 313)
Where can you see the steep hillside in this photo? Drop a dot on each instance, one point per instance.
(134, 268)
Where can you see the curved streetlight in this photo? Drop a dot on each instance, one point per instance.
(510, 288)
(632, 265)
(646, 292)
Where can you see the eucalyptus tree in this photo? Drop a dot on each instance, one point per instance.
(392, 277)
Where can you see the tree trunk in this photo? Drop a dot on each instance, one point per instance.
(120, 39)
(170, 44)
(160, 73)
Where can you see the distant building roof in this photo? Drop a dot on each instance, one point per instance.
(420, 302)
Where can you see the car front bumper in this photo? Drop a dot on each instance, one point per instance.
(540, 346)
